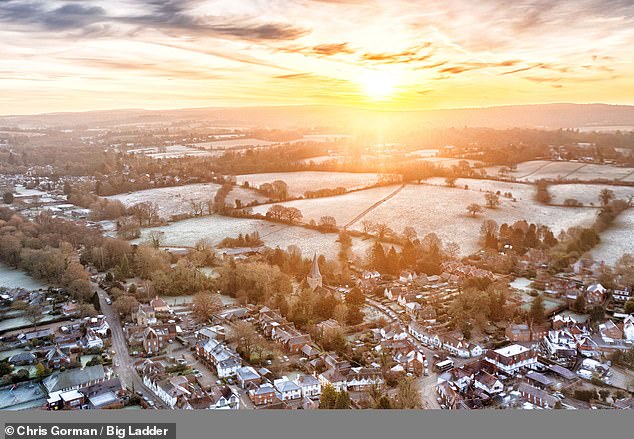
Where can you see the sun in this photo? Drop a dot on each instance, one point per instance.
(378, 85)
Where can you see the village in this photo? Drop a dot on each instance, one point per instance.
(565, 361)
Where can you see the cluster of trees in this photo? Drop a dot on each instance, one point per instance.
(333, 399)
(46, 249)
(277, 190)
(424, 255)
(480, 306)
(542, 195)
(326, 224)
(280, 213)
(407, 396)
(246, 240)
(520, 236)
(325, 192)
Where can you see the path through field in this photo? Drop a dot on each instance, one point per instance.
(374, 206)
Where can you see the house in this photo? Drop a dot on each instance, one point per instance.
(362, 378)
(562, 372)
(70, 309)
(145, 315)
(511, 359)
(65, 400)
(412, 362)
(432, 341)
(56, 358)
(22, 359)
(525, 333)
(262, 394)
(215, 353)
(538, 380)
(609, 331)
(595, 294)
(489, 383)
(309, 386)
(246, 375)
(460, 348)
(310, 351)
(333, 377)
(448, 394)
(216, 332)
(560, 343)
(155, 339)
(288, 389)
(537, 396)
(588, 347)
(159, 305)
(103, 401)
(91, 340)
(75, 378)
(223, 398)
(328, 327)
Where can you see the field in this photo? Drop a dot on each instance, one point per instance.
(442, 210)
(215, 228)
(544, 169)
(175, 200)
(520, 191)
(10, 278)
(173, 151)
(617, 240)
(342, 207)
(300, 182)
(587, 193)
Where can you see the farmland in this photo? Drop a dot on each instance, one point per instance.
(617, 240)
(300, 182)
(175, 200)
(441, 210)
(587, 193)
(215, 228)
(544, 169)
(342, 207)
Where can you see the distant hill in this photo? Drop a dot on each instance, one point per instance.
(541, 115)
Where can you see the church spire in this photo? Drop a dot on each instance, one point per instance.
(314, 276)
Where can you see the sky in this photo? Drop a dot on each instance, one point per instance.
(380, 54)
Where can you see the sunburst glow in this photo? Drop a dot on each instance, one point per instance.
(378, 85)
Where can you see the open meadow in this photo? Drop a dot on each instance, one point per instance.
(616, 240)
(300, 182)
(215, 228)
(175, 200)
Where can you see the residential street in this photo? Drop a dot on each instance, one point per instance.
(122, 362)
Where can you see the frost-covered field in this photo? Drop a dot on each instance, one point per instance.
(172, 151)
(520, 191)
(587, 193)
(537, 169)
(608, 172)
(176, 200)
(442, 210)
(617, 240)
(215, 228)
(300, 182)
(10, 278)
(342, 207)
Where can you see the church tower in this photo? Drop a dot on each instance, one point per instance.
(314, 276)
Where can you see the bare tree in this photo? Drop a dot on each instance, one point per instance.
(492, 200)
(367, 226)
(474, 209)
(206, 304)
(34, 313)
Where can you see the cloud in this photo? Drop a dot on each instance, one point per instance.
(164, 15)
(478, 65)
(405, 56)
(331, 49)
(294, 76)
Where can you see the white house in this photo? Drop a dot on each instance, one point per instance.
(309, 386)
(628, 327)
(287, 389)
(487, 382)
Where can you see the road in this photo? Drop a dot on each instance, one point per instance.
(426, 384)
(208, 376)
(122, 362)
